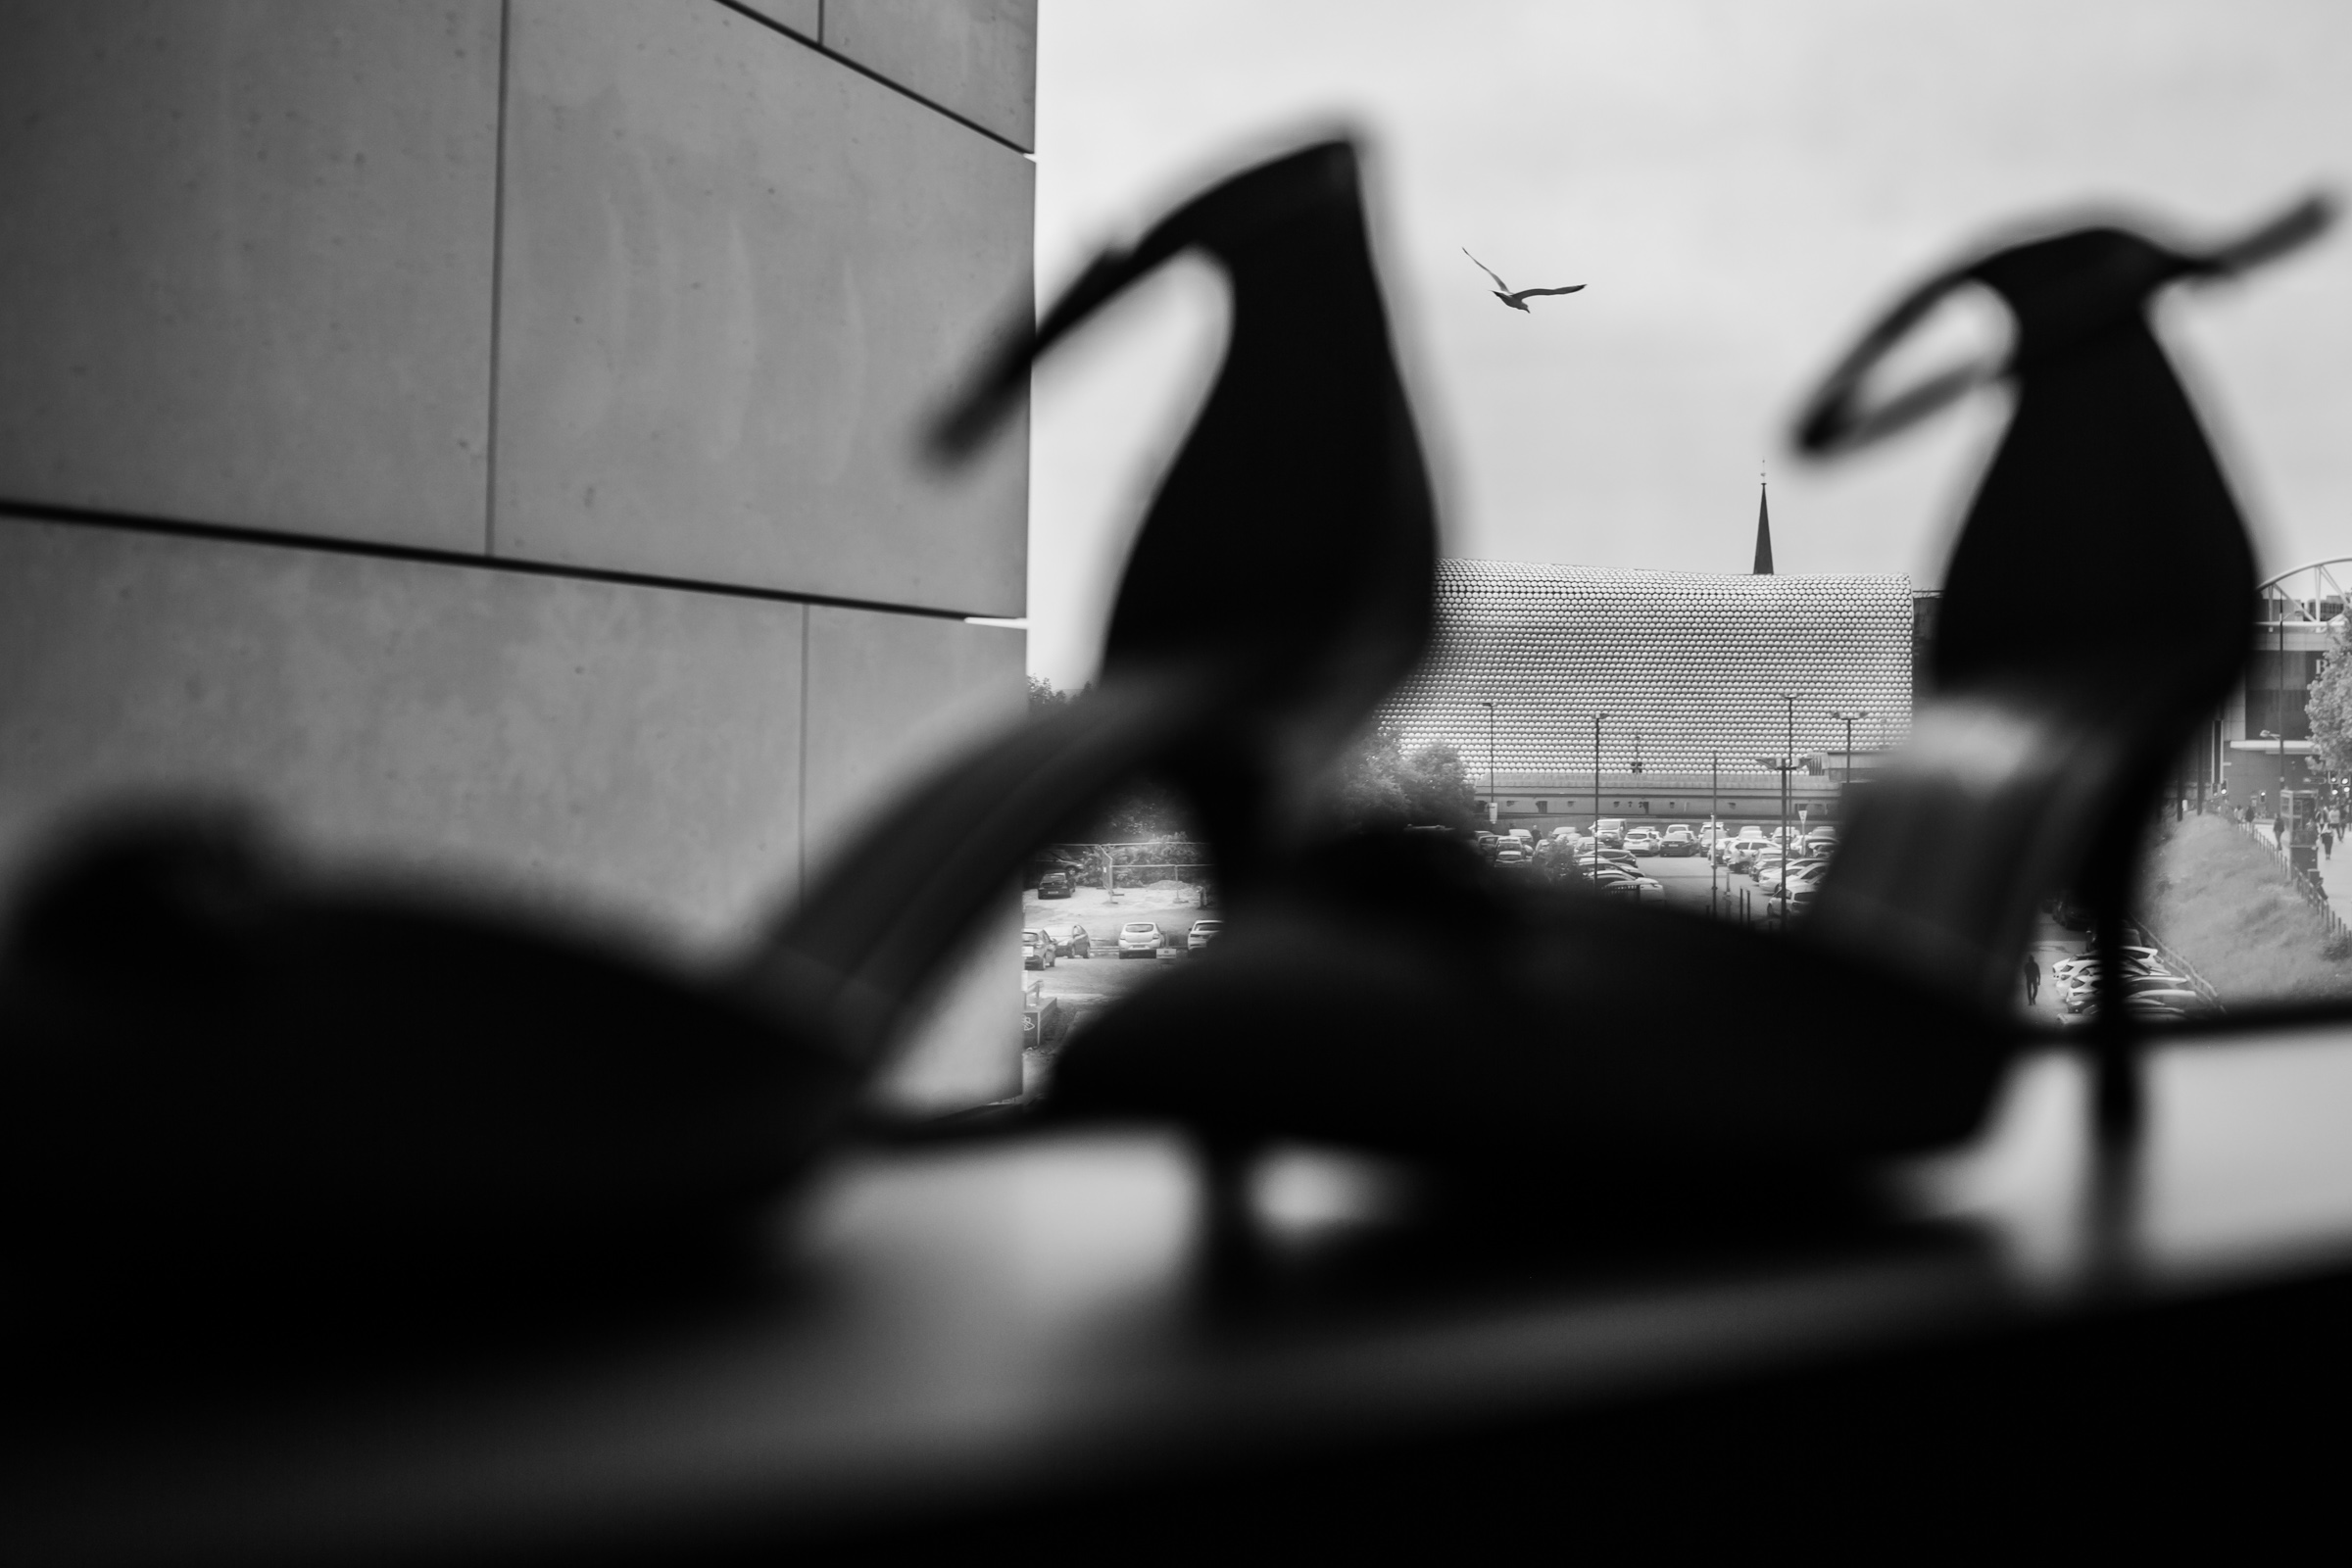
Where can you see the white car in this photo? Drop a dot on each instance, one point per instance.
(1202, 933)
(1141, 939)
(1637, 889)
(1641, 841)
(2083, 986)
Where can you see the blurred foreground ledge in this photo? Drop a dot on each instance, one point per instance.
(1046, 1343)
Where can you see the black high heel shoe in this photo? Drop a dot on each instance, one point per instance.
(1303, 466)
(1392, 1001)
(2049, 728)
(211, 1059)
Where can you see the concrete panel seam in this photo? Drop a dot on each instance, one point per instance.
(873, 75)
(78, 516)
(800, 825)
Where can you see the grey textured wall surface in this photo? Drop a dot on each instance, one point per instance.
(245, 273)
(889, 698)
(804, 16)
(890, 695)
(271, 264)
(606, 750)
(977, 57)
(737, 273)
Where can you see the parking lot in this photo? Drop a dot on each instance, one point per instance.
(1693, 886)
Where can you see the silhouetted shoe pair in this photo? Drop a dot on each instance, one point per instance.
(202, 1054)
(1386, 999)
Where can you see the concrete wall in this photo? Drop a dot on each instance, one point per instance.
(482, 432)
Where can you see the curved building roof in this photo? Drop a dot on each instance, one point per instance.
(1686, 667)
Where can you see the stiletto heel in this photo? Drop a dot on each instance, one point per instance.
(1389, 1000)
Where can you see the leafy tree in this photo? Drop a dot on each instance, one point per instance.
(1368, 788)
(1043, 698)
(2329, 700)
(1142, 808)
(1437, 787)
(1379, 787)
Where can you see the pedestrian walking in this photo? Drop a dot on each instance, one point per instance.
(2327, 842)
(2033, 981)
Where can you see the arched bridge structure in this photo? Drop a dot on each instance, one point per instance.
(2312, 594)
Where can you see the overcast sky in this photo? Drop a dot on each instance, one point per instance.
(1740, 184)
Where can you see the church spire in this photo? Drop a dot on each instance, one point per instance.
(1763, 531)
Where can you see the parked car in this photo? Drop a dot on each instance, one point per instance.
(1202, 933)
(1678, 839)
(2181, 1000)
(1610, 830)
(1070, 939)
(1607, 857)
(1641, 841)
(1141, 939)
(1633, 889)
(1037, 949)
(1055, 885)
(2083, 986)
(1821, 838)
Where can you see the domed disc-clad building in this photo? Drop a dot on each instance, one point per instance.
(1703, 684)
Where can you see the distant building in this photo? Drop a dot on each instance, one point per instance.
(2262, 736)
(1691, 673)
(1926, 605)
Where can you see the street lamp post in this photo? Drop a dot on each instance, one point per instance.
(1493, 807)
(1787, 790)
(1714, 827)
(1597, 718)
(1847, 720)
(1782, 765)
(2278, 810)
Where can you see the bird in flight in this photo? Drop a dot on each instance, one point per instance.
(1502, 291)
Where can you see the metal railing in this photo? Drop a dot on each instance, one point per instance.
(2174, 963)
(2313, 895)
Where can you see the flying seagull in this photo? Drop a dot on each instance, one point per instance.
(1502, 291)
